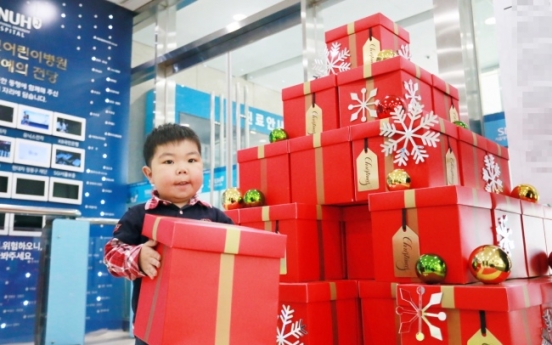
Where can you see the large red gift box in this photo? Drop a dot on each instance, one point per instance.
(500, 159)
(508, 313)
(361, 89)
(380, 322)
(447, 221)
(371, 165)
(215, 282)
(311, 107)
(313, 248)
(264, 163)
(359, 255)
(366, 37)
(321, 168)
(532, 220)
(508, 232)
(445, 99)
(473, 149)
(234, 215)
(326, 312)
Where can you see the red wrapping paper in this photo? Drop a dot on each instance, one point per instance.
(473, 149)
(359, 255)
(445, 99)
(380, 322)
(536, 254)
(502, 159)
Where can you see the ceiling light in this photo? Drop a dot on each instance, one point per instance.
(238, 17)
(490, 21)
(185, 124)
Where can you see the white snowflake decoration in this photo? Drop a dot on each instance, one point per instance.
(503, 234)
(491, 175)
(411, 123)
(296, 330)
(547, 329)
(405, 51)
(364, 104)
(419, 313)
(332, 62)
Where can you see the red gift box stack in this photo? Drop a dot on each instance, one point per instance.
(354, 237)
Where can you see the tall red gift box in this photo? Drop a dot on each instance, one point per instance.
(380, 322)
(361, 88)
(508, 232)
(313, 248)
(311, 107)
(371, 165)
(473, 149)
(447, 221)
(215, 282)
(359, 255)
(366, 37)
(532, 220)
(445, 99)
(328, 312)
(264, 163)
(508, 313)
(321, 168)
(500, 159)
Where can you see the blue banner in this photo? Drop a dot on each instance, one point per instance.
(495, 128)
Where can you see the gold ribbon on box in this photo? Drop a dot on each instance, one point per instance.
(396, 31)
(352, 45)
(265, 217)
(319, 167)
(225, 286)
(418, 72)
(333, 305)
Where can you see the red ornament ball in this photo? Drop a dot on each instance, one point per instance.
(387, 106)
(550, 259)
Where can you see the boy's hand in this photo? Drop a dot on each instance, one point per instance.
(149, 260)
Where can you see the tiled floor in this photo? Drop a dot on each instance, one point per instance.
(102, 337)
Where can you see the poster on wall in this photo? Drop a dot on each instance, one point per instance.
(64, 113)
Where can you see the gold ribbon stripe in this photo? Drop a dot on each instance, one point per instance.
(319, 167)
(367, 71)
(260, 152)
(307, 88)
(410, 199)
(418, 72)
(350, 28)
(453, 315)
(155, 226)
(353, 47)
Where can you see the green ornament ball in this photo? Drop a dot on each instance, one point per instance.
(253, 198)
(461, 124)
(431, 268)
(277, 135)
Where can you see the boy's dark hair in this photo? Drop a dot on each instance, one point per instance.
(168, 133)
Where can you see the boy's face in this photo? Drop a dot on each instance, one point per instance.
(176, 171)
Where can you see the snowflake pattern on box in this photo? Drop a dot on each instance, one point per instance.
(405, 51)
(491, 175)
(503, 235)
(296, 329)
(411, 123)
(364, 104)
(418, 313)
(547, 329)
(332, 62)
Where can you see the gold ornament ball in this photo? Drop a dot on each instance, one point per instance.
(525, 192)
(431, 268)
(277, 135)
(232, 199)
(461, 124)
(490, 264)
(253, 198)
(398, 179)
(385, 54)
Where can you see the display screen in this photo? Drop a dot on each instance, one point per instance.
(66, 191)
(30, 187)
(6, 113)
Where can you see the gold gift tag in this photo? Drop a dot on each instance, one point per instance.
(480, 339)
(367, 171)
(283, 264)
(406, 251)
(453, 114)
(313, 119)
(370, 51)
(452, 168)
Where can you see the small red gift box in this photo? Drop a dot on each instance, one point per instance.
(360, 90)
(321, 168)
(234, 215)
(446, 221)
(371, 165)
(311, 107)
(327, 313)
(500, 159)
(508, 232)
(532, 220)
(365, 38)
(313, 249)
(380, 322)
(359, 256)
(259, 165)
(473, 149)
(508, 313)
(211, 278)
(445, 99)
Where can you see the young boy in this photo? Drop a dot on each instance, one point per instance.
(174, 167)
